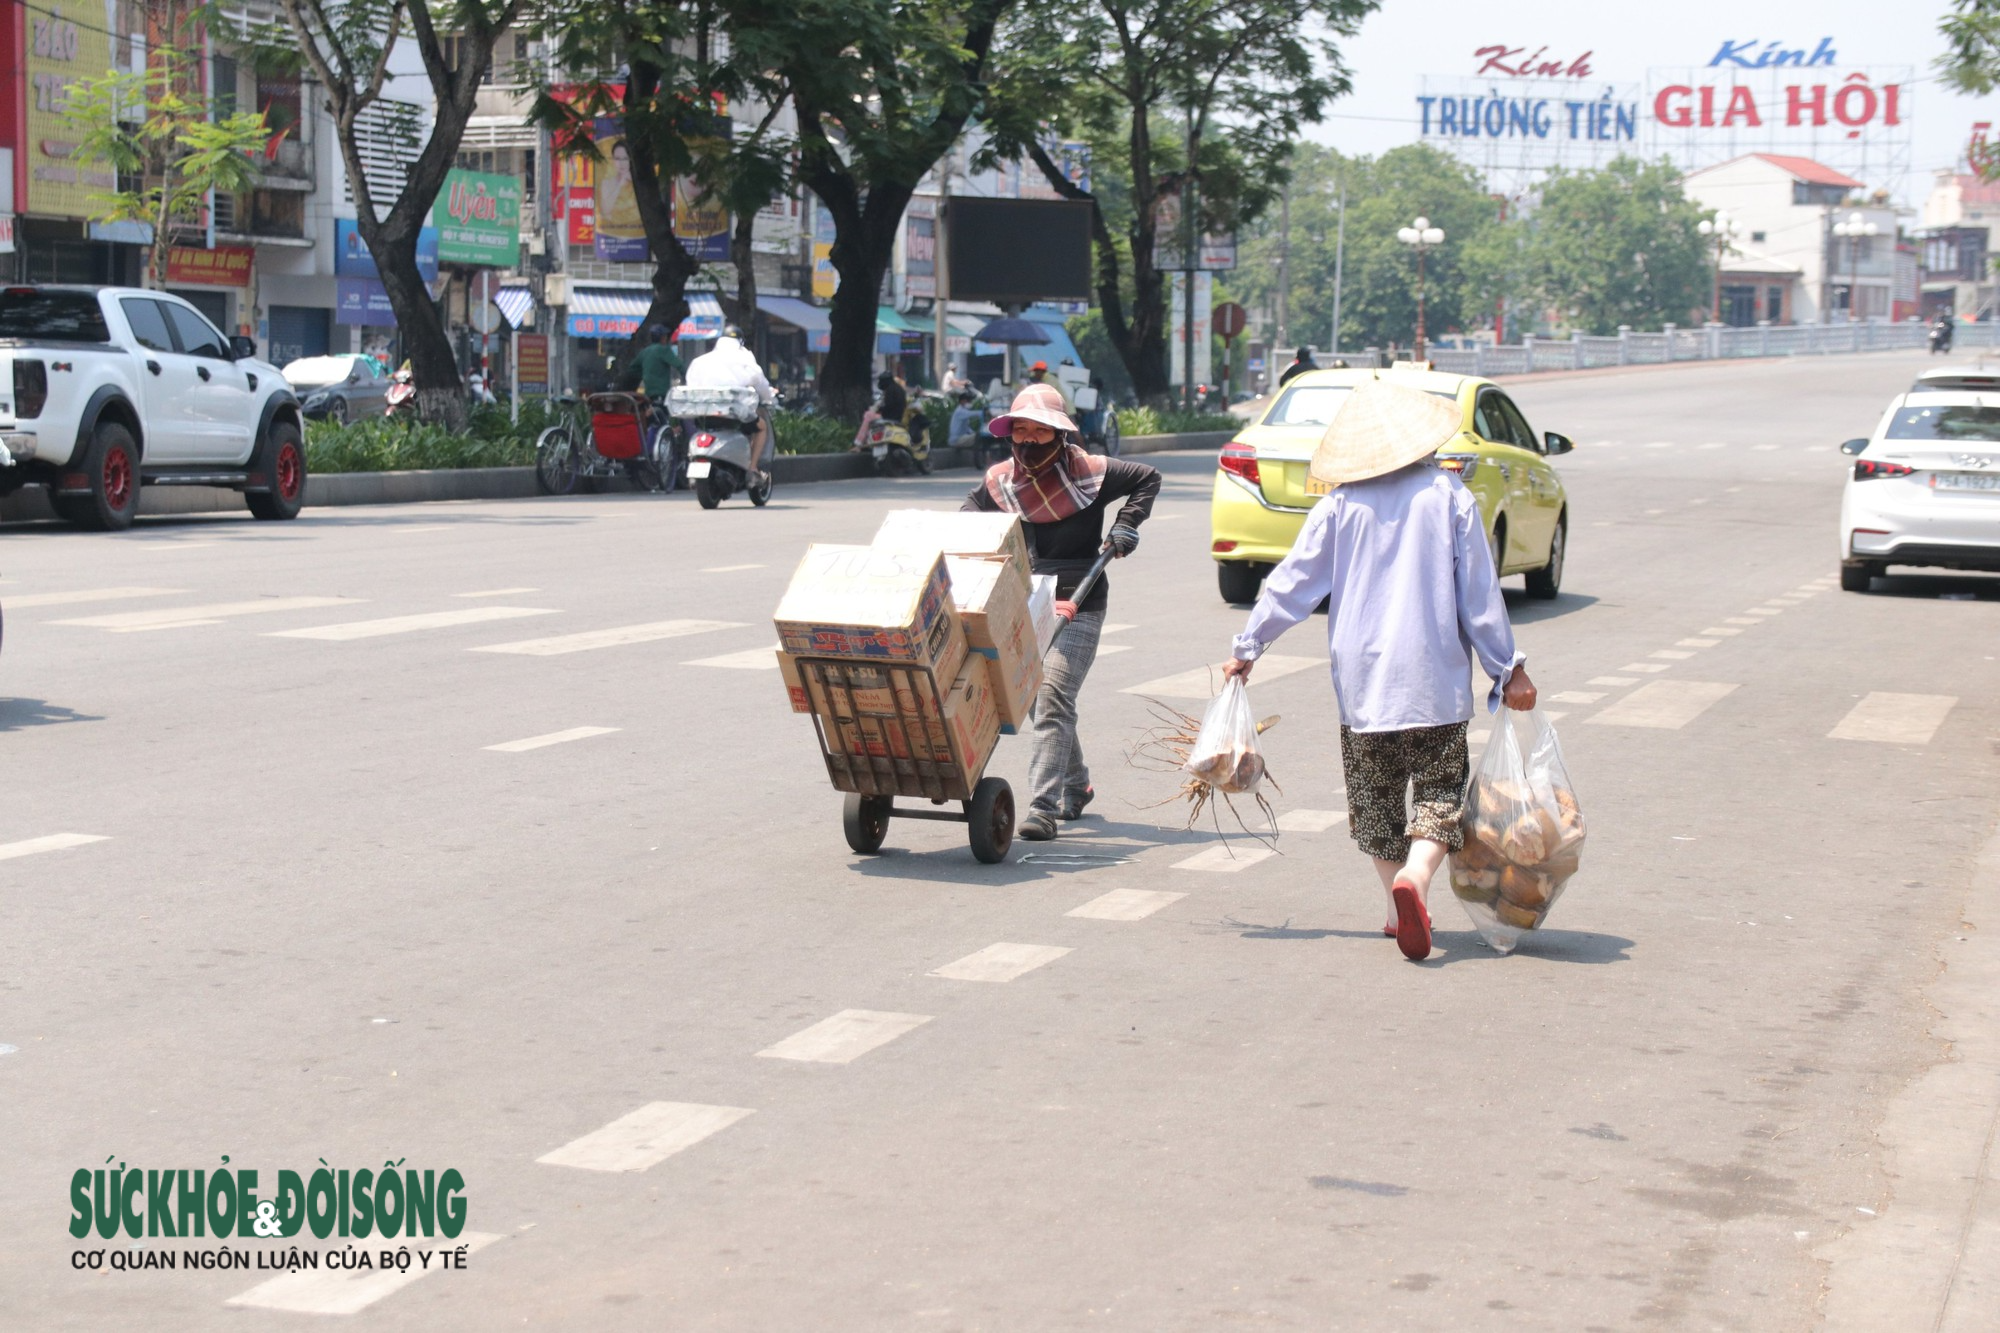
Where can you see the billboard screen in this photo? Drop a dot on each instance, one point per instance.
(1013, 251)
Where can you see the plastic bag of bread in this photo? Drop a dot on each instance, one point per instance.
(1524, 834)
(1225, 751)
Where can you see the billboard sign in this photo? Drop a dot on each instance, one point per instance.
(57, 52)
(920, 248)
(478, 219)
(351, 258)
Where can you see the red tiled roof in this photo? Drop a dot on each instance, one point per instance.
(1809, 171)
(1973, 190)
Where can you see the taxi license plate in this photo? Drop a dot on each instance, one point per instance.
(1314, 486)
(699, 469)
(1965, 481)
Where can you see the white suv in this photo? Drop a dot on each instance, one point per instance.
(104, 390)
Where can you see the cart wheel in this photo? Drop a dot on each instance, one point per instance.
(865, 820)
(989, 818)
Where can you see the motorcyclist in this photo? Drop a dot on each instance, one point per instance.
(730, 365)
(1941, 332)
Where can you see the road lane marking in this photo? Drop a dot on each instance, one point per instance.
(1310, 821)
(165, 624)
(345, 1291)
(54, 842)
(1723, 631)
(1611, 680)
(1666, 704)
(1001, 962)
(87, 595)
(1554, 715)
(1576, 697)
(729, 569)
(1225, 860)
(1699, 500)
(1125, 905)
(845, 1037)
(180, 615)
(1114, 629)
(349, 630)
(1652, 513)
(1660, 444)
(1714, 444)
(1764, 448)
(1104, 649)
(1894, 719)
(1744, 620)
(1670, 654)
(552, 738)
(750, 659)
(608, 638)
(1650, 668)
(1202, 682)
(1697, 643)
(646, 1137)
(1766, 610)
(497, 592)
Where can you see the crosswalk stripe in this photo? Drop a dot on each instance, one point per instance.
(85, 595)
(1125, 905)
(1576, 697)
(54, 842)
(1744, 620)
(498, 592)
(1697, 643)
(1666, 704)
(1001, 962)
(845, 1037)
(646, 1137)
(1225, 860)
(551, 738)
(1671, 654)
(1106, 649)
(1714, 444)
(1648, 668)
(1114, 629)
(1310, 821)
(1765, 610)
(729, 569)
(1203, 682)
(1611, 680)
(608, 638)
(750, 659)
(213, 611)
(1722, 631)
(349, 630)
(346, 1291)
(1895, 719)
(1764, 448)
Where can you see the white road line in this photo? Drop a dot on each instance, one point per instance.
(1894, 719)
(1225, 860)
(1660, 444)
(1665, 704)
(1576, 697)
(1649, 668)
(1723, 631)
(729, 569)
(1202, 682)
(1611, 680)
(552, 738)
(344, 1291)
(1125, 905)
(750, 659)
(1699, 500)
(1764, 448)
(1765, 610)
(1731, 490)
(349, 630)
(1697, 643)
(1554, 715)
(497, 592)
(1310, 821)
(1106, 649)
(1670, 654)
(608, 638)
(178, 615)
(1001, 962)
(86, 595)
(1743, 620)
(54, 842)
(646, 1137)
(1114, 629)
(845, 1037)
(1714, 444)
(1653, 513)
(181, 546)
(165, 624)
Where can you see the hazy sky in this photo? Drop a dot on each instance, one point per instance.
(1407, 39)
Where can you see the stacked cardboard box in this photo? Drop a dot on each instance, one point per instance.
(993, 605)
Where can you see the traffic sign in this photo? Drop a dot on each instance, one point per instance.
(1229, 320)
(485, 316)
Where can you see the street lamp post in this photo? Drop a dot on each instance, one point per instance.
(1722, 229)
(1853, 231)
(1420, 235)
(1339, 254)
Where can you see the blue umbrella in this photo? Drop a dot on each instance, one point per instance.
(1013, 331)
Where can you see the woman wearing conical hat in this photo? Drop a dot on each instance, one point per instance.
(1399, 553)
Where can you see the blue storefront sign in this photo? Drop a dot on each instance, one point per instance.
(358, 296)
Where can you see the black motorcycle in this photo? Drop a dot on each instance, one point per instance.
(1940, 338)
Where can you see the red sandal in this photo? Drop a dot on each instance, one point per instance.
(1413, 922)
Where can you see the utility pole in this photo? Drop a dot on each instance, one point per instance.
(1190, 265)
(937, 264)
(1284, 267)
(1339, 254)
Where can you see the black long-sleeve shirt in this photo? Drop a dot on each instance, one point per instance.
(1068, 547)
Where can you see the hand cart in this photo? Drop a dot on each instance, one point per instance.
(882, 733)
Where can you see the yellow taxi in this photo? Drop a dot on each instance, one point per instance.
(1262, 494)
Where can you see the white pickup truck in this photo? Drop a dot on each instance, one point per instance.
(104, 390)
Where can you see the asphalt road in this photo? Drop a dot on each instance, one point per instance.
(325, 921)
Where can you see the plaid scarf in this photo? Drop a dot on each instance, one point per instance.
(1066, 486)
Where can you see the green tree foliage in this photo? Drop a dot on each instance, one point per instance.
(1619, 245)
(154, 128)
(1158, 84)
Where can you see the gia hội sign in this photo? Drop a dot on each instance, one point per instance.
(478, 219)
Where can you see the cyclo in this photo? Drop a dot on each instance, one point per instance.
(602, 436)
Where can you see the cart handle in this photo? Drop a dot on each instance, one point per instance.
(1096, 572)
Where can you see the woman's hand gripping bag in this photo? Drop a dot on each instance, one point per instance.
(1524, 835)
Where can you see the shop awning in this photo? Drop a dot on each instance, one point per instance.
(896, 332)
(517, 304)
(801, 315)
(607, 312)
(704, 318)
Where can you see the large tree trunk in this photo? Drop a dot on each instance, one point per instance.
(847, 384)
(748, 318)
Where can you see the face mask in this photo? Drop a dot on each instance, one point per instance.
(1035, 457)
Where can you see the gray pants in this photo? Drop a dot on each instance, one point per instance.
(1056, 773)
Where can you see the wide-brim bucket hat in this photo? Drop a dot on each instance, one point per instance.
(1039, 403)
(1380, 428)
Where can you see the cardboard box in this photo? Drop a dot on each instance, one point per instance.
(795, 685)
(875, 605)
(994, 610)
(949, 532)
(1042, 611)
(971, 717)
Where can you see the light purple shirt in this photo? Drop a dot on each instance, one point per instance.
(1403, 561)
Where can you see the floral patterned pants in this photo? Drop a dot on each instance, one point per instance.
(1383, 768)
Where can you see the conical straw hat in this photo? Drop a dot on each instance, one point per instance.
(1382, 427)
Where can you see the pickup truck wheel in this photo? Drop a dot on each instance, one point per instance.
(112, 466)
(285, 460)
